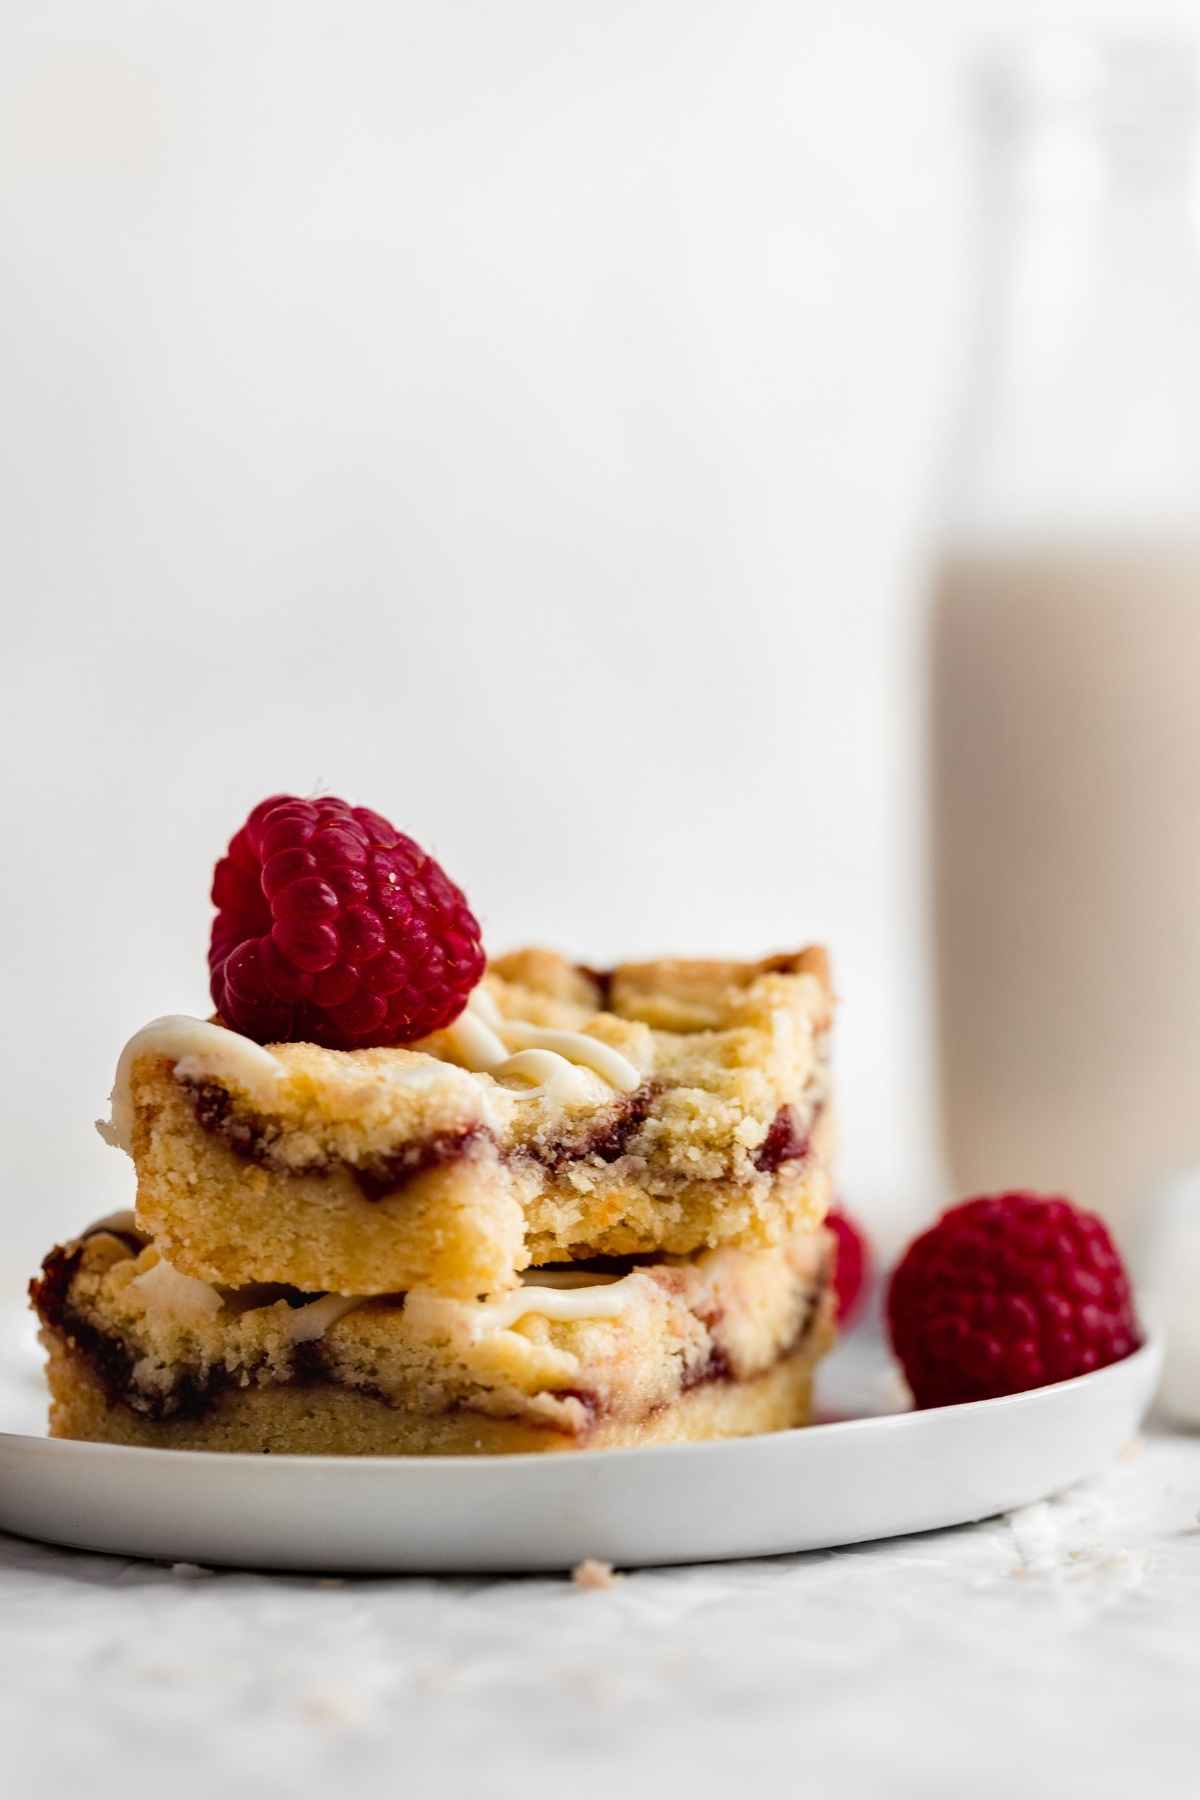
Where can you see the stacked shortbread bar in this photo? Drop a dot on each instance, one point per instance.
(588, 1213)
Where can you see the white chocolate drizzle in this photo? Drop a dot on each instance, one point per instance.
(561, 1295)
(192, 1301)
(189, 1300)
(566, 1306)
(559, 1063)
(603, 1297)
(485, 1043)
(200, 1050)
(564, 1296)
(306, 1324)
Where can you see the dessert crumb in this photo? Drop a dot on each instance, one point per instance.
(1131, 1448)
(592, 1574)
(189, 1571)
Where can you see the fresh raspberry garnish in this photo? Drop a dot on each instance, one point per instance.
(334, 928)
(1007, 1293)
(852, 1264)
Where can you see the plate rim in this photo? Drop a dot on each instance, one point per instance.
(1148, 1357)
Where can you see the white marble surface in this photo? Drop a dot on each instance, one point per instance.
(1052, 1651)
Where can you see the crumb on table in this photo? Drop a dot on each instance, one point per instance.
(593, 1574)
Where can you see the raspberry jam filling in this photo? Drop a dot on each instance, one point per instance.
(609, 1137)
(254, 1140)
(109, 1358)
(787, 1141)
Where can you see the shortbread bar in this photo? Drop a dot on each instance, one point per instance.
(664, 1107)
(622, 1352)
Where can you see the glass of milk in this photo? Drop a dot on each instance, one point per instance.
(1064, 649)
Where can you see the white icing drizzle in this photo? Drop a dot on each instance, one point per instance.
(471, 1321)
(306, 1324)
(192, 1301)
(558, 1063)
(600, 1299)
(474, 1040)
(199, 1050)
(483, 1041)
(189, 1300)
(576, 1047)
(565, 1296)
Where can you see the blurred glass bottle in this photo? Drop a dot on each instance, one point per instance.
(1065, 646)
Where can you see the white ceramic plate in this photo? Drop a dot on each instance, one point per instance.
(871, 1476)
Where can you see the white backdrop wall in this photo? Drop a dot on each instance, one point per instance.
(523, 418)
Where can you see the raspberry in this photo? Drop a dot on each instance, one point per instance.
(334, 928)
(852, 1265)
(1006, 1293)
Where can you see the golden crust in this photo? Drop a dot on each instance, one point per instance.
(675, 996)
(709, 982)
(679, 995)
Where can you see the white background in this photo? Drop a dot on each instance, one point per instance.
(523, 418)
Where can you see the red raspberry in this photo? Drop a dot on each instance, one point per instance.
(852, 1265)
(1008, 1293)
(334, 928)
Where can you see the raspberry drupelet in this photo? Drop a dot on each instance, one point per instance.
(1008, 1292)
(334, 928)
